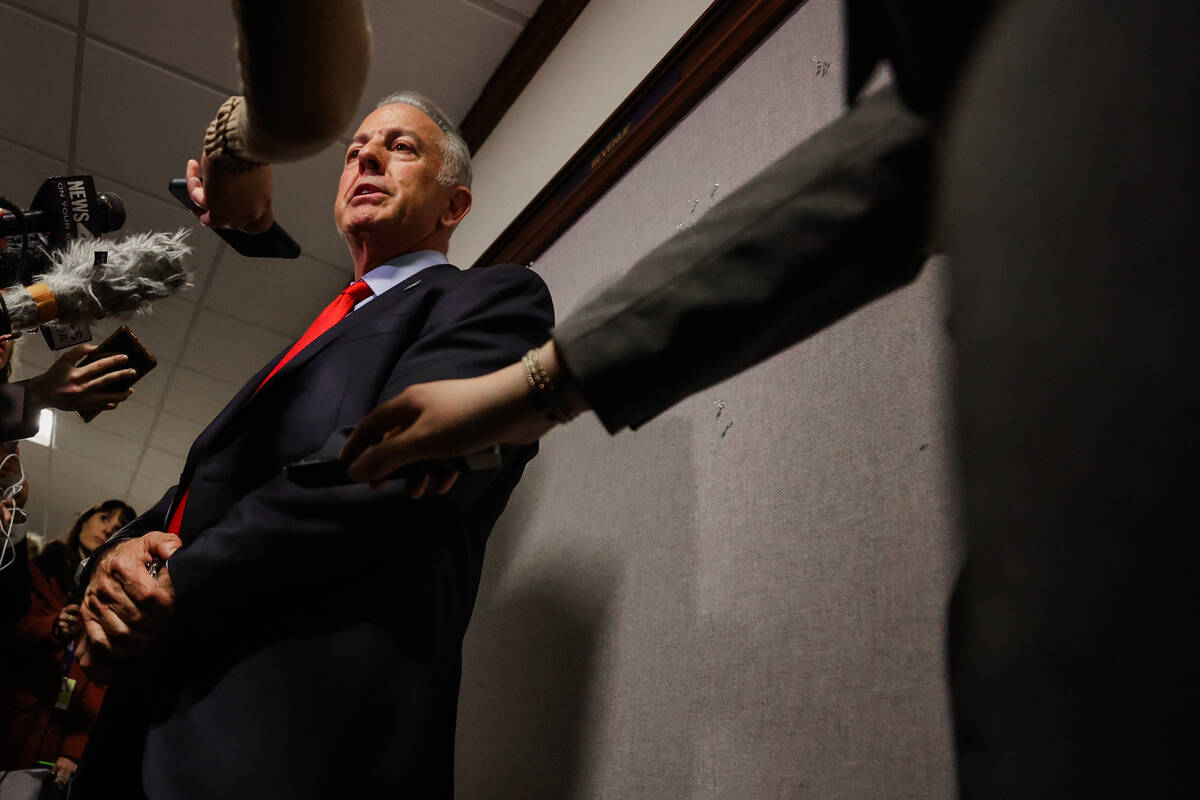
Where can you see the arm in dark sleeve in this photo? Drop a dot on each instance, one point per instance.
(834, 224)
(291, 555)
(18, 419)
(14, 588)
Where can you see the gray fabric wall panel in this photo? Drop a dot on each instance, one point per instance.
(673, 613)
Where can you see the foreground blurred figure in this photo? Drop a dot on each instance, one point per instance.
(1069, 203)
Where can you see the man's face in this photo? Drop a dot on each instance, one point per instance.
(389, 192)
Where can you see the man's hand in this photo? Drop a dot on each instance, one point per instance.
(63, 769)
(228, 199)
(68, 387)
(69, 623)
(127, 611)
(449, 418)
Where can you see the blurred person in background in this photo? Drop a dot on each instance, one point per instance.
(47, 703)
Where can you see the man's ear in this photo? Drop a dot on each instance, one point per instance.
(457, 207)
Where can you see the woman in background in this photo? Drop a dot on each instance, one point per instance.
(47, 703)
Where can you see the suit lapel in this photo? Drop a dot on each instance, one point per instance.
(399, 300)
(396, 302)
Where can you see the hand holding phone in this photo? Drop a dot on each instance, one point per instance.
(320, 473)
(275, 243)
(122, 341)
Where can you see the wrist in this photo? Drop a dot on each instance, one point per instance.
(37, 395)
(224, 147)
(554, 365)
(550, 386)
(91, 565)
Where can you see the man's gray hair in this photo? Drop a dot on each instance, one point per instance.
(456, 156)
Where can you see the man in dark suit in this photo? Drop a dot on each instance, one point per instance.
(306, 642)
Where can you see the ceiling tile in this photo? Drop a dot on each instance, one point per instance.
(37, 478)
(526, 8)
(196, 38)
(72, 435)
(163, 330)
(65, 11)
(175, 434)
(160, 465)
(35, 114)
(32, 357)
(78, 467)
(283, 295)
(131, 419)
(229, 350)
(147, 491)
(478, 39)
(59, 520)
(142, 147)
(153, 386)
(160, 212)
(197, 397)
(303, 203)
(22, 172)
(33, 456)
(71, 500)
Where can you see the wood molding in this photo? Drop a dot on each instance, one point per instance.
(724, 35)
(531, 49)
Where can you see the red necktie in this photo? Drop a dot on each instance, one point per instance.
(334, 313)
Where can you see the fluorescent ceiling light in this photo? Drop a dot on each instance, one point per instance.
(45, 434)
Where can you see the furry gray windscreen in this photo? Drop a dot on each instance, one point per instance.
(140, 269)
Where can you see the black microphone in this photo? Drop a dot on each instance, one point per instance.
(65, 209)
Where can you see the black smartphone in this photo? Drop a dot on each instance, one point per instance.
(273, 243)
(319, 473)
(141, 360)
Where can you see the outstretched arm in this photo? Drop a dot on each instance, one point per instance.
(834, 224)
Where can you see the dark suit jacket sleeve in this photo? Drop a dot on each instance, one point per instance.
(286, 555)
(18, 420)
(835, 223)
(14, 588)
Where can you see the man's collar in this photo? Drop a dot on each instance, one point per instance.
(402, 267)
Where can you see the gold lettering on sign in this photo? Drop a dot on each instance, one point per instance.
(608, 148)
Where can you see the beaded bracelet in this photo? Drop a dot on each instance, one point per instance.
(548, 396)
